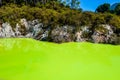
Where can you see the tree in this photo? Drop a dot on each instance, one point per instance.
(0, 2)
(117, 9)
(103, 8)
(75, 4)
(31, 2)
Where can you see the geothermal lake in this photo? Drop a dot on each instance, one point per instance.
(28, 59)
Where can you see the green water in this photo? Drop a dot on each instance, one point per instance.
(27, 59)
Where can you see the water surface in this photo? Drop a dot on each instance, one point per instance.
(28, 59)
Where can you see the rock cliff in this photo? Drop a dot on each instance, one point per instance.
(104, 33)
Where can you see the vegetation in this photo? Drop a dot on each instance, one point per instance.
(54, 12)
(117, 9)
(103, 8)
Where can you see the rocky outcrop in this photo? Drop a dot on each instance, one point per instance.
(6, 30)
(105, 34)
(62, 34)
(34, 29)
(28, 29)
(83, 34)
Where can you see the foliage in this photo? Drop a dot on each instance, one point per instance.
(117, 9)
(103, 8)
(55, 13)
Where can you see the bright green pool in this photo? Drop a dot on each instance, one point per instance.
(28, 59)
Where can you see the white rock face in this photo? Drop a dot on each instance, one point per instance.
(85, 28)
(104, 37)
(6, 30)
(24, 22)
(31, 28)
(17, 32)
(35, 29)
(62, 34)
(78, 36)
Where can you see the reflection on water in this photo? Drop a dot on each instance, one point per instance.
(27, 59)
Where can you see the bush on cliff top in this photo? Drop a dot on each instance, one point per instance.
(56, 14)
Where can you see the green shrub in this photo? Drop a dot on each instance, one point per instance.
(57, 14)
